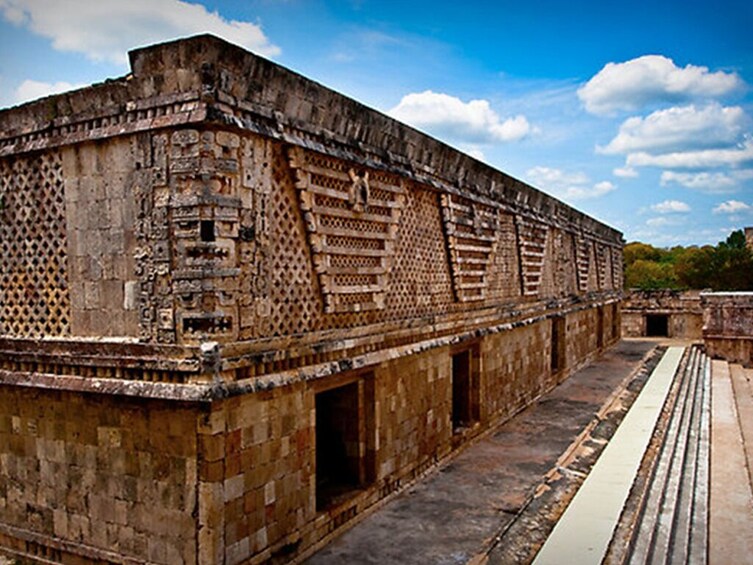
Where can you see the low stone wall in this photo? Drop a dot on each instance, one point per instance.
(644, 313)
(728, 326)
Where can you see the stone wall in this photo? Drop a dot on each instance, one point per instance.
(682, 310)
(261, 466)
(728, 326)
(97, 476)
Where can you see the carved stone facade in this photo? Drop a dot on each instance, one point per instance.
(213, 270)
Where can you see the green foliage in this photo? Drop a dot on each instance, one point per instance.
(726, 266)
(646, 274)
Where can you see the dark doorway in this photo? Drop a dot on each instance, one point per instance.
(465, 393)
(615, 321)
(657, 325)
(337, 444)
(600, 327)
(558, 343)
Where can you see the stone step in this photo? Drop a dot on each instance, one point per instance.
(700, 520)
(693, 483)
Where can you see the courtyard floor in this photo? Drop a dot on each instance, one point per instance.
(498, 500)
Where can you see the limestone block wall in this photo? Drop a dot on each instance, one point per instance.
(728, 326)
(96, 476)
(259, 468)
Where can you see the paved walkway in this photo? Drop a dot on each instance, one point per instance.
(456, 514)
(731, 504)
(583, 533)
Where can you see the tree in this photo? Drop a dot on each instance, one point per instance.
(695, 268)
(735, 240)
(648, 275)
(636, 250)
(726, 266)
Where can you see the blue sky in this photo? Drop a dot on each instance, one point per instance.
(638, 113)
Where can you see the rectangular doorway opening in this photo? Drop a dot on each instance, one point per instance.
(558, 344)
(465, 390)
(345, 457)
(657, 325)
(600, 327)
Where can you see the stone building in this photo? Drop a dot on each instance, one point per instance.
(237, 309)
(662, 313)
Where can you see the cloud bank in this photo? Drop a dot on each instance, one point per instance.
(34, 89)
(105, 30)
(449, 117)
(649, 80)
(569, 186)
(670, 207)
(679, 129)
(732, 207)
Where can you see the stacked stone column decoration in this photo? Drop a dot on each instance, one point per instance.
(471, 236)
(617, 267)
(583, 263)
(601, 254)
(34, 294)
(352, 216)
(253, 236)
(532, 239)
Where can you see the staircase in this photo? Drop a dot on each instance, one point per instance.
(671, 525)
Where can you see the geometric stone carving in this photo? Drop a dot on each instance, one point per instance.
(616, 267)
(352, 217)
(601, 265)
(582, 254)
(471, 232)
(532, 236)
(34, 296)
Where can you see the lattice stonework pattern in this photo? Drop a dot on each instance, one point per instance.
(583, 264)
(532, 236)
(471, 230)
(34, 297)
(352, 217)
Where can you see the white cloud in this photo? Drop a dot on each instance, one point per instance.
(474, 152)
(625, 172)
(698, 159)
(658, 222)
(670, 206)
(445, 115)
(650, 79)
(105, 30)
(732, 207)
(569, 186)
(556, 177)
(34, 89)
(711, 182)
(679, 129)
